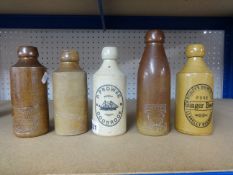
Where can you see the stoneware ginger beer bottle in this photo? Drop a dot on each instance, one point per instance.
(29, 94)
(194, 94)
(153, 87)
(70, 96)
(109, 96)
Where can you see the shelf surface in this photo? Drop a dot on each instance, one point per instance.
(129, 153)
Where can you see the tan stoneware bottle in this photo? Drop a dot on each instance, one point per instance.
(153, 87)
(194, 94)
(70, 96)
(29, 94)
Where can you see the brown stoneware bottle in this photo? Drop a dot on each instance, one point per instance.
(29, 94)
(153, 87)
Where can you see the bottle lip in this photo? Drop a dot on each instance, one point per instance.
(154, 36)
(27, 51)
(195, 50)
(69, 55)
(109, 53)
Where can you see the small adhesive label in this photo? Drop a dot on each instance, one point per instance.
(45, 78)
(95, 127)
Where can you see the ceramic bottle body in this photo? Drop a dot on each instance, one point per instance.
(29, 94)
(194, 95)
(70, 96)
(109, 98)
(153, 88)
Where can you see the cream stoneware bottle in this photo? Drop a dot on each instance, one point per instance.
(194, 94)
(109, 96)
(70, 96)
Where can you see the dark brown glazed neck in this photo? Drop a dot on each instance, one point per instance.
(154, 44)
(28, 62)
(154, 36)
(27, 57)
(27, 51)
(156, 50)
(154, 60)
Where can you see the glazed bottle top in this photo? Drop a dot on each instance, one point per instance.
(69, 56)
(154, 36)
(27, 51)
(154, 40)
(154, 56)
(195, 62)
(109, 66)
(69, 61)
(109, 53)
(195, 50)
(27, 57)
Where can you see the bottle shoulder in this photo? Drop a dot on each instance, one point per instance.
(195, 69)
(69, 67)
(195, 66)
(59, 70)
(160, 68)
(109, 72)
(109, 69)
(27, 64)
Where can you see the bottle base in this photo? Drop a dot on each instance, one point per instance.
(193, 134)
(20, 135)
(108, 135)
(153, 133)
(70, 134)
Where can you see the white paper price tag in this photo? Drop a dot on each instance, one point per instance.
(45, 78)
(95, 126)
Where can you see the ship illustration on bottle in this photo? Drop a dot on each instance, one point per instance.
(108, 106)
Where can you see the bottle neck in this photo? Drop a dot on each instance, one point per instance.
(156, 49)
(154, 54)
(70, 65)
(155, 45)
(195, 60)
(196, 65)
(28, 62)
(27, 58)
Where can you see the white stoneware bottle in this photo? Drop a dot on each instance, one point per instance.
(109, 96)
